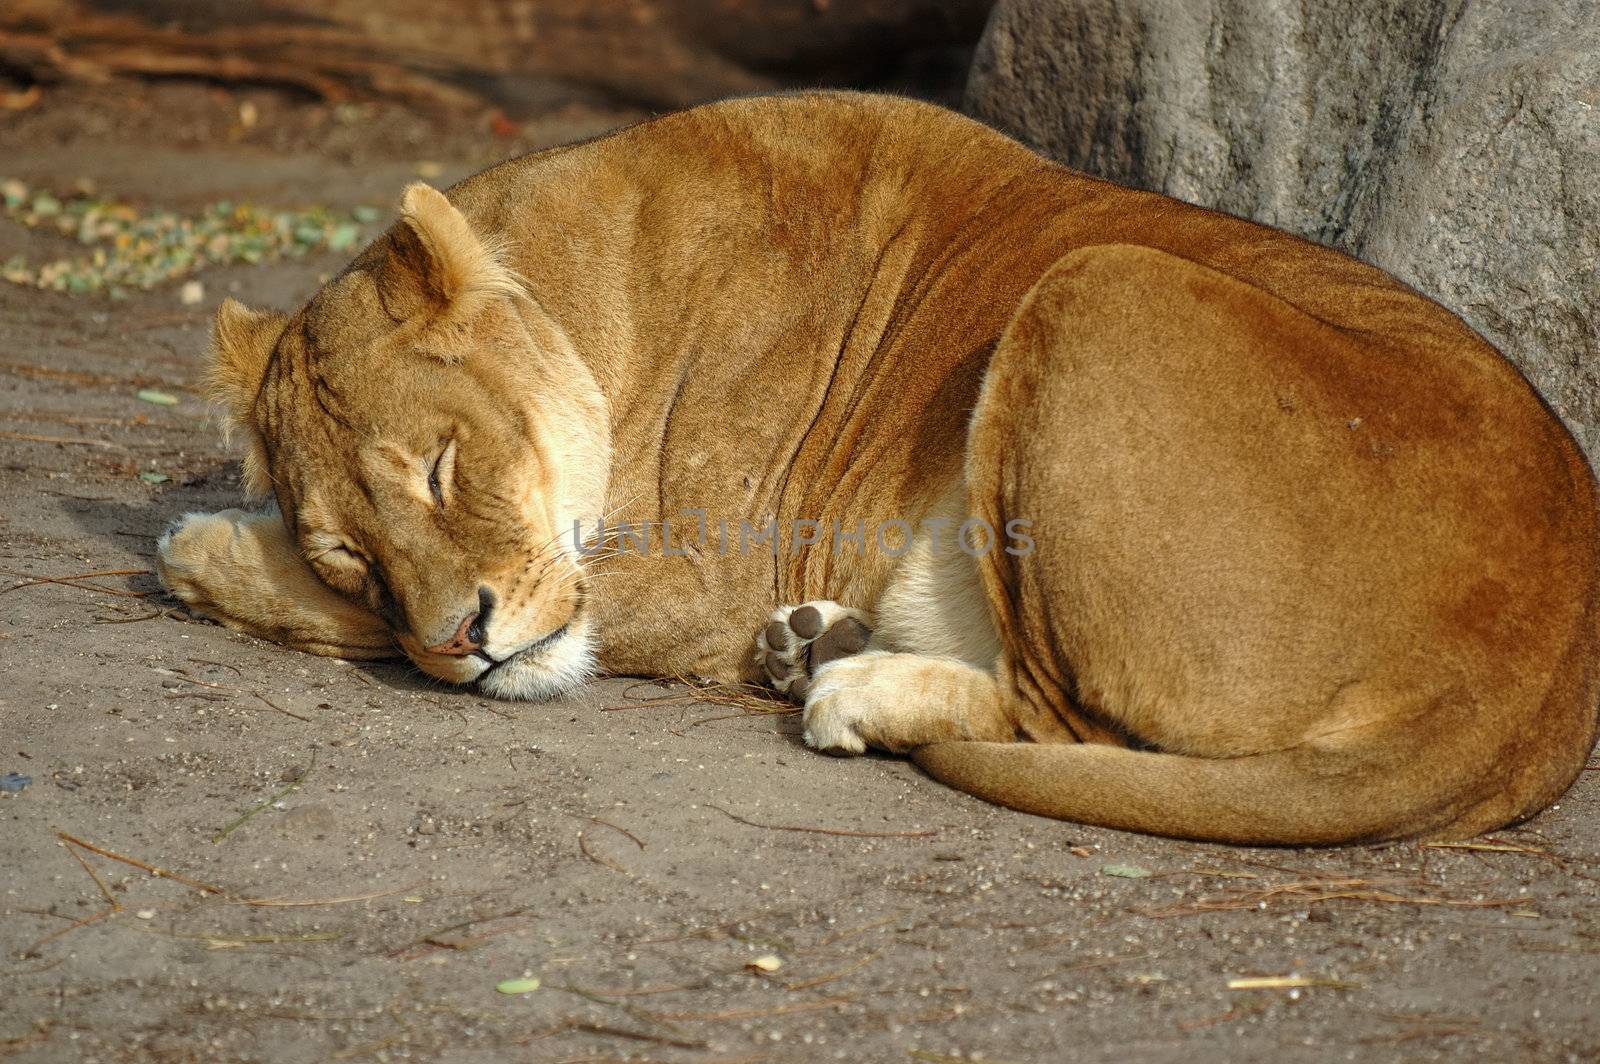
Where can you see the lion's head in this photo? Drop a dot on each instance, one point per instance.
(432, 438)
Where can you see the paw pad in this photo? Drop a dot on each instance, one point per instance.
(799, 640)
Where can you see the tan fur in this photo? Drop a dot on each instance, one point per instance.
(1313, 563)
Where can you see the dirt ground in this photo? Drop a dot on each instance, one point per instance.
(634, 850)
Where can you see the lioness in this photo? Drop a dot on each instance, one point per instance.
(1276, 549)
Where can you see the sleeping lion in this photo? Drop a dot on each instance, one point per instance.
(1096, 504)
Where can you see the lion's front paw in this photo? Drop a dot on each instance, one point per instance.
(898, 702)
(196, 547)
(799, 640)
(242, 569)
(838, 705)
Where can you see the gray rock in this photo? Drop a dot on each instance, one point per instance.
(1454, 144)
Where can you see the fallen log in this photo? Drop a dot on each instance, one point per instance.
(521, 54)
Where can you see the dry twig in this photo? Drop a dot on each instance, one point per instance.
(840, 973)
(85, 922)
(1289, 982)
(861, 929)
(105, 891)
(131, 620)
(1314, 891)
(437, 940)
(74, 580)
(159, 873)
(1493, 845)
(637, 841)
(345, 899)
(35, 437)
(748, 697)
(638, 1036)
(755, 1013)
(600, 859)
(183, 676)
(1238, 1012)
(253, 810)
(825, 831)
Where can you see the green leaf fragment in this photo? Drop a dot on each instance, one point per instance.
(1125, 871)
(150, 476)
(517, 986)
(343, 237)
(151, 395)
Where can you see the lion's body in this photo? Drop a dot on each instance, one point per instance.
(1300, 534)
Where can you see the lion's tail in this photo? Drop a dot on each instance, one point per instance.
(1281, 797)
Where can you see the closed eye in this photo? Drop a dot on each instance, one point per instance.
(443, 472)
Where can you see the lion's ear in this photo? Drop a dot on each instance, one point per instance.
(443, 275)
(242, 341)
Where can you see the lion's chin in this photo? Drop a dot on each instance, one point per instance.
(545, 672)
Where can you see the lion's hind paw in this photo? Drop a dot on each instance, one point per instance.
(799, 640)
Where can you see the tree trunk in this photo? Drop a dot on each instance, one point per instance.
(520, 54)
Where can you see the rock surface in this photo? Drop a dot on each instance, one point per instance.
(1456, 145)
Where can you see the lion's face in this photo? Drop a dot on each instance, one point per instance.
(432, 441)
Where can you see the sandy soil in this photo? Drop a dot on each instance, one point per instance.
(636, 857)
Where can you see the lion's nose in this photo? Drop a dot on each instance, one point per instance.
(468, 638)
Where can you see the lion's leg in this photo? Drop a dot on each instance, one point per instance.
(242, 569)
